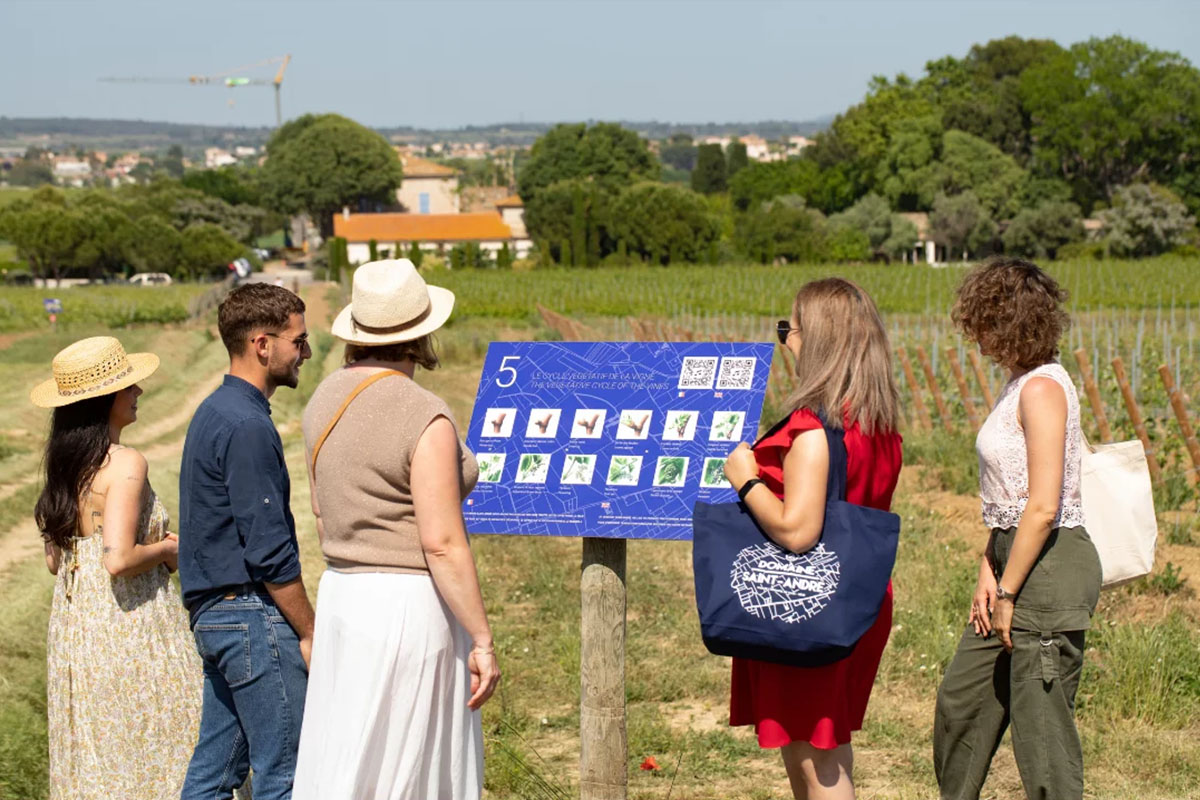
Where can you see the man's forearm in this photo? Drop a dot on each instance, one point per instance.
(292, 600)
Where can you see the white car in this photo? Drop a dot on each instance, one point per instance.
(150, 279)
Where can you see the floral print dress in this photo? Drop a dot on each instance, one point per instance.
(124, 682)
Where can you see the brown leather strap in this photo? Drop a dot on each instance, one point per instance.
(378, 376)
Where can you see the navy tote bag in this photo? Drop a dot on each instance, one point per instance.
(758, 600)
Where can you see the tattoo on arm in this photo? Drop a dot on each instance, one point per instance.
(97, 522)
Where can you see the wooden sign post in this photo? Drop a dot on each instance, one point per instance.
(603, 752)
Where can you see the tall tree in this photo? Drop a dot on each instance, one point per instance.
(318, 164)
(679, 152)
(961, 224)
(709, 175)
(663, 223)
(605, 154)
(1113, 111)
(1145, 220)
(736, 158)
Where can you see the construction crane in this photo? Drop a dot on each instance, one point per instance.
(230, 78)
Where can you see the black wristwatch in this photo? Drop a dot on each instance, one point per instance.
(746, 487)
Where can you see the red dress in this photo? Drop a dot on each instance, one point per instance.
(819, 705)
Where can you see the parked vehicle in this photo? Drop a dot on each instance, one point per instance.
(150, 279)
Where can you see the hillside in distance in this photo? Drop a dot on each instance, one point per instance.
(149, 135)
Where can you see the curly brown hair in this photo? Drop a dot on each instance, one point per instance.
(1013, 310)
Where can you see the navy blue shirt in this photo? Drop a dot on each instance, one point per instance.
(235, 524)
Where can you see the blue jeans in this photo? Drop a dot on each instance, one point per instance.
(254, 685)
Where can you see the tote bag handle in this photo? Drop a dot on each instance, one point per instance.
(337, 415)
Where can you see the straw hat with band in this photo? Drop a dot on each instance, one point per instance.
(390, 303)
(91, 368)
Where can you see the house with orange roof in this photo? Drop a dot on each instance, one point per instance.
(427, 188)
(394, 234)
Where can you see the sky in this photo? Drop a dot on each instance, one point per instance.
(450, 64)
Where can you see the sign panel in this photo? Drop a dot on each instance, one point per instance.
(52, 305)
(609, 439)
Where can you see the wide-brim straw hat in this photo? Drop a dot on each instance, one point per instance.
(91, 368)
(390, 303)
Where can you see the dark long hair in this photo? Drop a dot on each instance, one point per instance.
(78, 444)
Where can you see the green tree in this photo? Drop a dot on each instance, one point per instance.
(736, 158)
(972, 163)
(679, 152)
(571, 212)
(1040, 232)
(782, 229)
(604, 154)
(709, 175)
(45, 234)
(415, 254)
(961, 224)
(153, 246)
(504, 258)
(205, 250)
(373, 250)
(660, 223)
(1110, 112)
(318, 164)
(173, 161)
(230, 184)
(30, 172)
(888, 235)
(1145, 220)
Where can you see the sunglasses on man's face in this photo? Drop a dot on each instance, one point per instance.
(783, 329)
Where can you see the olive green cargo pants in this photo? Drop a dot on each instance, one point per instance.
(1033, 689)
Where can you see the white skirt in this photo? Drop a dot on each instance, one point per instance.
(386, 715)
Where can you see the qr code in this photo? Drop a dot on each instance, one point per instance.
(736, 373)
(698, 372)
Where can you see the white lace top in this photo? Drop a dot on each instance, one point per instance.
(1004, 462)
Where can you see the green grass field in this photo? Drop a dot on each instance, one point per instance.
(1139, 705)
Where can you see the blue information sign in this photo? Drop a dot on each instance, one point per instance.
(609, 439)
(52, 305)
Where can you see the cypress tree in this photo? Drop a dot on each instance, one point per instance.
(709, 176)
(373, 249)
(564, 254)
(415, 254)
(578, 228)
(736, 158)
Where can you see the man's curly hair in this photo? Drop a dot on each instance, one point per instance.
(1013, 310)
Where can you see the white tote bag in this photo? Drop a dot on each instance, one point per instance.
(1118, 506)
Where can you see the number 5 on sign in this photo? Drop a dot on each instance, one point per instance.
(504, 367)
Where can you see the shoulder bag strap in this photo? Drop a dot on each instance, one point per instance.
(378, 376)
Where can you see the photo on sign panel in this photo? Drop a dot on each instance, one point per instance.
(671, 471)
(713, 476)
(624, 470)
(543, 423)
(533, 468)
(681, 426)
(578, 469)
(635, 424)
(727, 426)
(589, 423)
(491, 466)
(499, 422)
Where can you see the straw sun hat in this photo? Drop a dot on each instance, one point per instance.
(91, 368)
(390, 303)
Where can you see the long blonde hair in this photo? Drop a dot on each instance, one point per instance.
(845, 361)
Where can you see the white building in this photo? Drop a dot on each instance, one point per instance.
(394, 234)
(215, 157)
(427, 188)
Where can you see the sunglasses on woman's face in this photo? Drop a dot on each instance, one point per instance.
(783, 329)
